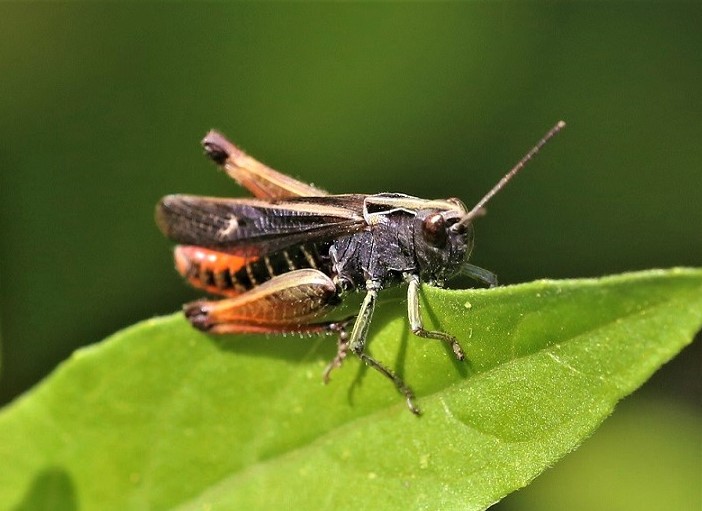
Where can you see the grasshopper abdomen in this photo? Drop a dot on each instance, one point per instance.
(226, 274)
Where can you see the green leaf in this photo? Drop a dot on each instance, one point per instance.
(160, 416)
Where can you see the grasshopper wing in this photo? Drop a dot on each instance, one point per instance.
(257, 227)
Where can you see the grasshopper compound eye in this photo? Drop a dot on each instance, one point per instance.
(434, 230)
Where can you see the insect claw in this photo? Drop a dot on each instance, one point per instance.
(327, 371)
(409, 396)
(458, 351)
(411, 404)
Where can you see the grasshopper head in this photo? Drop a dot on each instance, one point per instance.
(442, 243)
(444, 237)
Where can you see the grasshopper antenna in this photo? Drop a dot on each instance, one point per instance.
(479, 208)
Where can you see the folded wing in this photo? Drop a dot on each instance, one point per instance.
(255, 226)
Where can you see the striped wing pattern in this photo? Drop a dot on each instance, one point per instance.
(254, 227)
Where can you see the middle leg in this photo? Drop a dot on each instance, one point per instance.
(357, 343)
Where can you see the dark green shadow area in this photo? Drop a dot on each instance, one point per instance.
(51, 490)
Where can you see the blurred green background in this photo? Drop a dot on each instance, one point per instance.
(102, 108)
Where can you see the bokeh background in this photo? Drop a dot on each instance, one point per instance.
(102, 108)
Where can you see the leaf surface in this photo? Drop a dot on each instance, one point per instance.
(160, 416)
